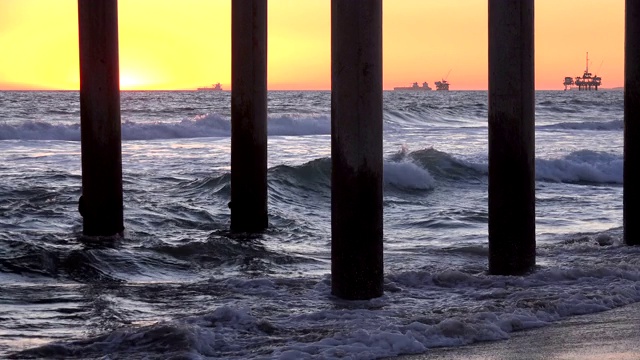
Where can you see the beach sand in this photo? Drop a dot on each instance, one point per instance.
(613, 334)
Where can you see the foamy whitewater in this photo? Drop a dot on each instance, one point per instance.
(179, 285)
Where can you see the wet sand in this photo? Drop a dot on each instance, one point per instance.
(613, 334)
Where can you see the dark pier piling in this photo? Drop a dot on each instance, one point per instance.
(356, 149)
(248, 115)
(631, 176)
(511, 137)
(101, 203)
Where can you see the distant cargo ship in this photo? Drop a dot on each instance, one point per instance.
(215, 87)
(414, 87)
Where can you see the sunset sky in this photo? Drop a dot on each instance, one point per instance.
(171, 44)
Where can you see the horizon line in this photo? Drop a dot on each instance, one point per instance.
(323, 90)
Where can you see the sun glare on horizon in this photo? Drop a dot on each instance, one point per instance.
(132, 82)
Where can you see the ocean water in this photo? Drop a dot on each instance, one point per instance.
(178, 285)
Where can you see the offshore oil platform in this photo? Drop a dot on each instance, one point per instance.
(442, 85)
(584, 82)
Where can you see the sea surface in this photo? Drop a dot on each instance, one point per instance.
(179, 285)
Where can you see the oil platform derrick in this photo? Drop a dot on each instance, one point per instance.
(587, 81)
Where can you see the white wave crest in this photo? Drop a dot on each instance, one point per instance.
(209, 125)
(582, 166)
(612, 125)
(408, 175)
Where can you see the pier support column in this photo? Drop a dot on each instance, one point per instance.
(511, 137)
(356, 149)
(631, 176)
(101, 202)
(248, 115)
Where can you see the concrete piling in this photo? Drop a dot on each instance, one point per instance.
(511, 137)
(248, 115)
(356, 149)
(101, 204)
(631, 176)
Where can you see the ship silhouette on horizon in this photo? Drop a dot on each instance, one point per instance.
(214, 87)
(414, 87)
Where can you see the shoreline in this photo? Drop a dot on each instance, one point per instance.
(610, 334)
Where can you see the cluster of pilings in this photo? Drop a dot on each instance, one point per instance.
(356, 133)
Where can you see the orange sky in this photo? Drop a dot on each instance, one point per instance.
(171, 44)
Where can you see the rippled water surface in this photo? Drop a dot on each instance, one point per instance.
(179, 284)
